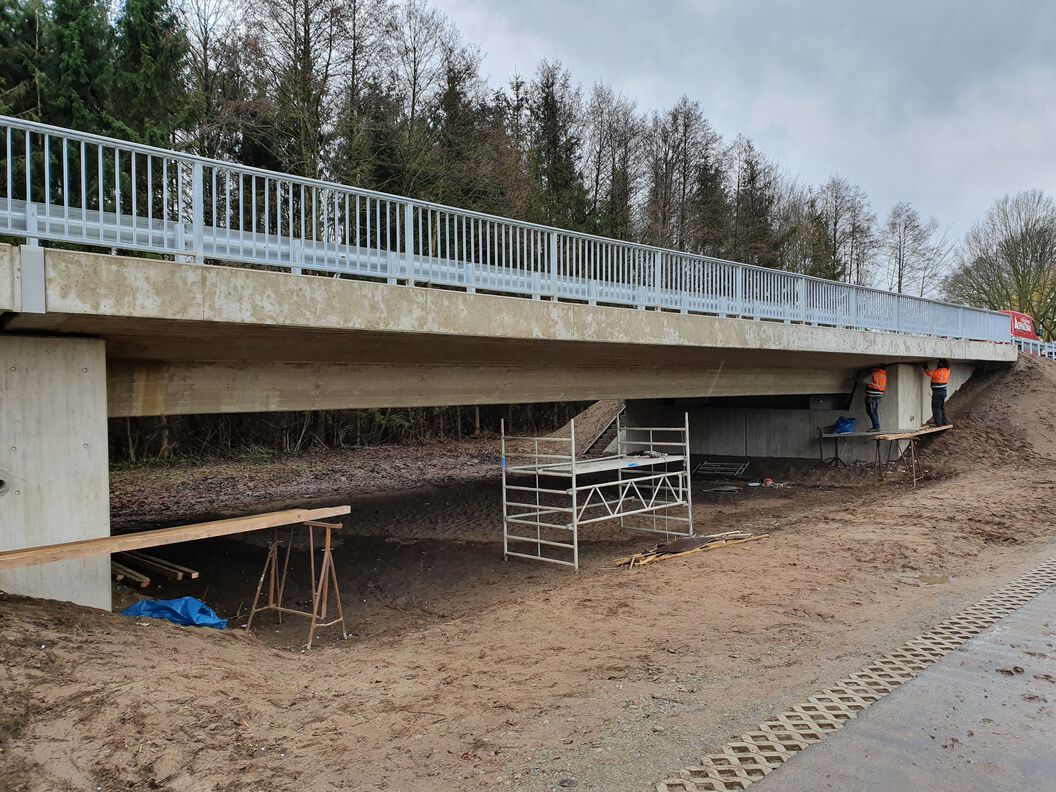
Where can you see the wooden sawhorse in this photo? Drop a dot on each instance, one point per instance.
(327, 578)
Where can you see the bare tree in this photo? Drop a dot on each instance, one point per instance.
(368, 29)
(304, 58)
(424, 47)
(1008, 259)
(863, 241)
(802, 227)
(362, 95)
(849, 224)
(682, 148)
(917, 252)
(613, 139)
(216, 75)
(422, 38)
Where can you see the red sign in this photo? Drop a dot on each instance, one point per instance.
(1022, 325)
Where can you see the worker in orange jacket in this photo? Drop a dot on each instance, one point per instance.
(875, 381)
(940, 381)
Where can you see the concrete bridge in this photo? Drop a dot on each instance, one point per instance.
(256, 291)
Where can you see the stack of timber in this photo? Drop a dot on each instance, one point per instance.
(125, 568)
(688, 546)
(162, 566)
(122, 574)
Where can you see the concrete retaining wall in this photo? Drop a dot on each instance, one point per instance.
(793, 433)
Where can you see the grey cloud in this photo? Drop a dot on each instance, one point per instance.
(946, 104)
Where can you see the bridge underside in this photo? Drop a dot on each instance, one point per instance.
(161, 367)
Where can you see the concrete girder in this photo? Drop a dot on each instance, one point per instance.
(137, 388)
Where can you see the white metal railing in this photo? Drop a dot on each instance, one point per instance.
(1045, 349)
(83, 189)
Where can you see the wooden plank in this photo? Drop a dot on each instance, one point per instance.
(187, 572)
(130, 575)
(128, 559)
(898, 434)
(924, 430)
(45, 554)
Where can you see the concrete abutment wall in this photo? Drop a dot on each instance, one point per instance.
(766, 432)
(53, 458)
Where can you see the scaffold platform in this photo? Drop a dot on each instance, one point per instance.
(549, 491)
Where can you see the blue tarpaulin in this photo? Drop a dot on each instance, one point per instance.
(185, 610)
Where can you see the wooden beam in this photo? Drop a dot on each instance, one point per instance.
(907, 435)
(131, 561)
(898, 434)
(130, 575)
(32, 556)
(182, 570)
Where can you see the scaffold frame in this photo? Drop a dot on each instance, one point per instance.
(550, 490)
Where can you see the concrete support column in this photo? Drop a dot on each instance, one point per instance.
(901, 407)
(53, 462)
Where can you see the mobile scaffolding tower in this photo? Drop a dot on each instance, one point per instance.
(549, 490)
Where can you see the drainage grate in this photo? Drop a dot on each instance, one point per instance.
(706, 468)
(760, 752)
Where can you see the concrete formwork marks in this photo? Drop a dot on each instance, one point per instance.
(53, 451)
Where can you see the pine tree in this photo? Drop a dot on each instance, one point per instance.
(754, 239)
(79, 66)
(555, 148)
(21, 58)
(709, 207)
(820, 259)
(149, 82)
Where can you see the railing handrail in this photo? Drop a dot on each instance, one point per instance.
(338, 188)
(189, 158)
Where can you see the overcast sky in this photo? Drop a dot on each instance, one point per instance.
(943, 104)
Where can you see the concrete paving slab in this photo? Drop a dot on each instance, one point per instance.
(982, 719)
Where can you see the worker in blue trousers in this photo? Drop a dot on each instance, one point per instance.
(940, 381)
(875, 380)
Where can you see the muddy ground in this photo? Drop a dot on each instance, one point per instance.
(465, 672)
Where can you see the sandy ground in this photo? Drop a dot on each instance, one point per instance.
(466, 672)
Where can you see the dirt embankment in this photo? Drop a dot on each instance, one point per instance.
(465, 672)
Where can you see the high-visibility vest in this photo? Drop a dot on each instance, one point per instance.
(877, 382)
(940, 377)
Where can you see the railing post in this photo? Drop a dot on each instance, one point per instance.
(738, 290)
(408, 240)
(296, 256)
(801, 296)
(553, 265)
(197, 214)
(470, 269)
(32, 226)
(657, 286)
